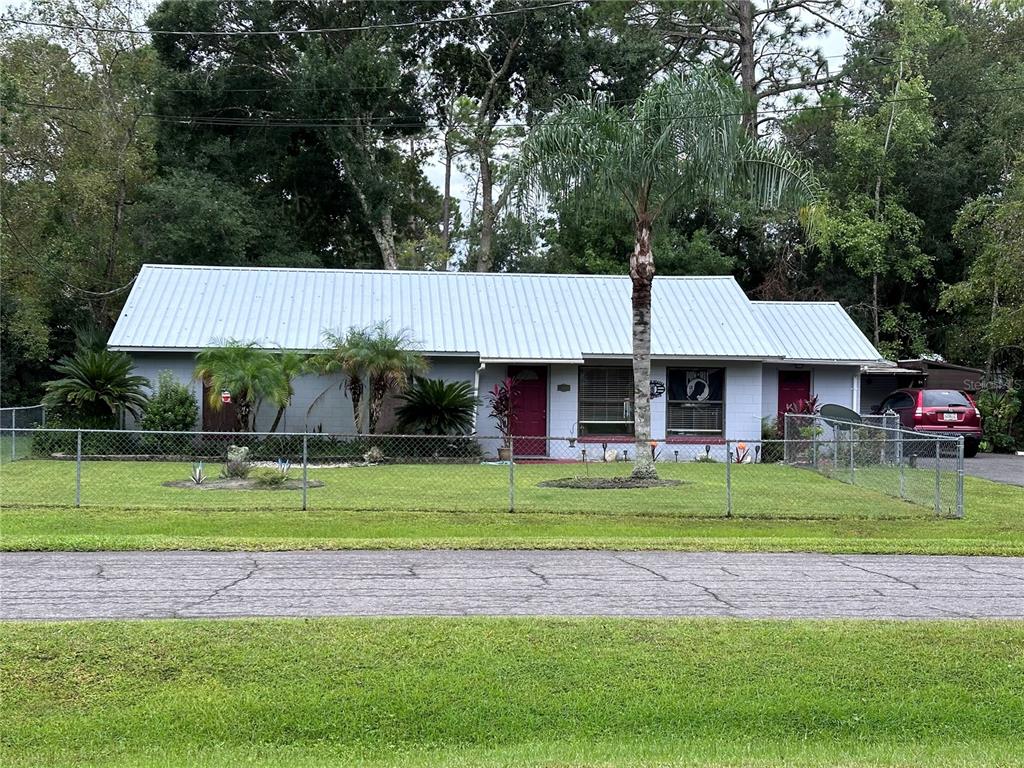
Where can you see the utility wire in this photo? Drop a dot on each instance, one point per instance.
(290, 32)
(417, 122)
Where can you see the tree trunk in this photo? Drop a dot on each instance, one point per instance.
(355, 391)
(446, 199)
(384, 234)
(378, 390)
(485, 257)
(277, 418)
(641, 271)
(874, 306)
(748, 65)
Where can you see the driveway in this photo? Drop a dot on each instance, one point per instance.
(81, 585)
(1001, 467)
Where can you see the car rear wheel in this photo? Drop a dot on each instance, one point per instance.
(970, 448)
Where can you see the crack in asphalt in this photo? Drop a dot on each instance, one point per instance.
(441, 582)
(253, 570)
(715, 595)
(651, 571)
(897, 579)
(544, 579)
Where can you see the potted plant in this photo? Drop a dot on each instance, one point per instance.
(500, 401)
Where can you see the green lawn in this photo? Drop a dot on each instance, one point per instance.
(779, 509)
(511, 692)
(759, 490)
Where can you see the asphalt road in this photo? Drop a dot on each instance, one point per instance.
(1001, 467)
(80, 585)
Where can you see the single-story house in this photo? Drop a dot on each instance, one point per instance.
(720, 362)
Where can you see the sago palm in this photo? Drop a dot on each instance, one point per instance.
(437, 407)
(681, 144)
(96, 385)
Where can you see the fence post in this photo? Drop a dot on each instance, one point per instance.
(899, 462)
(305, 469)
(728, 478)
(12, 433)
(960, 471)
(938, 477)
(511, 475)
(853, 468)
(785, 439)
(78, 471)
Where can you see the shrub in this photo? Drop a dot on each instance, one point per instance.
(437, 407)
(237, 464)
(172, 409)
(999, 410)
(772, 449)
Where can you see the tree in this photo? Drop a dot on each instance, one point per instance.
(251, 375)
(871, 229)
(769, 47)
(76, 148)
(678, 146)
(97, 386)
(391, 363)
(318, 130)
(345, 355)
(990, 230)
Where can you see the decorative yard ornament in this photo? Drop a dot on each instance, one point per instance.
(657, 389)
(225, 397)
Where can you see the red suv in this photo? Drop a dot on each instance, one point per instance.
(937, 411)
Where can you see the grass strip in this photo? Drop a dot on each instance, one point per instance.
(497, 692)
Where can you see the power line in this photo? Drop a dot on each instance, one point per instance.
(290, 32)
(417, 121)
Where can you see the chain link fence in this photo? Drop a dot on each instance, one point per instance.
(924, 469)
(17, 417)
(316, 471)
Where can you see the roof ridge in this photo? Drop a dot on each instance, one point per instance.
(239, 268)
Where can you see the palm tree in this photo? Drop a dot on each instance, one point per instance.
(386, 360)
(345, 355)
(250, 374)
(391, 363)
(680, 145)
(291, 364)
(97, 385)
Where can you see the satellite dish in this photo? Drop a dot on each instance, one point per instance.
(839, 416)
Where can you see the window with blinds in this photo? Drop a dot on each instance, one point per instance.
(606, 401)
(696, 401)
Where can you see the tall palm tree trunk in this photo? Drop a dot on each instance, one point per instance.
(641, 271)
(355, 391)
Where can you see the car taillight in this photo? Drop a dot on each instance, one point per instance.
(919, 412)
(977, 413)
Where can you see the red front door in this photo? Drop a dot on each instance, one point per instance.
(529, 422)
(794, 386)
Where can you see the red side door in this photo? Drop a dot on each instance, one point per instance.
(794, 386)
(529, 422)
(220, 420)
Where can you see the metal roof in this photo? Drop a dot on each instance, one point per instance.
(496, 316)
(814, 331)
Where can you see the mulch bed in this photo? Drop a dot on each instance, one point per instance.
(614, 483)
(240, 484)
